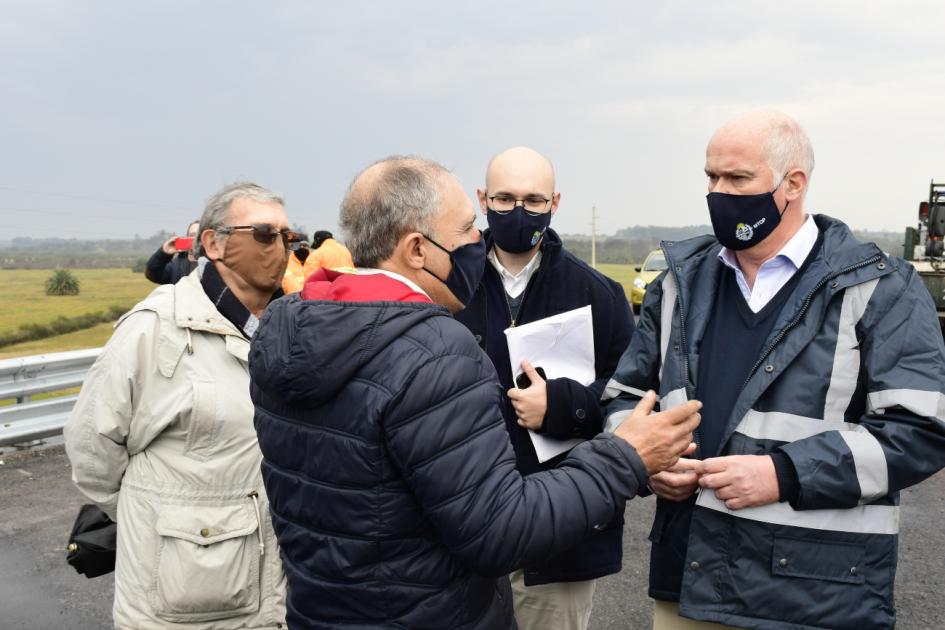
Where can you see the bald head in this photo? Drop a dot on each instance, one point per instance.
(526, 166)
(780, 139)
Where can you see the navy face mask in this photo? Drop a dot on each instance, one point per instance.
(743, 221)
(469, 263)
(516, 231)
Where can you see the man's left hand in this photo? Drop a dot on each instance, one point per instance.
(530, 403)
(741, 480)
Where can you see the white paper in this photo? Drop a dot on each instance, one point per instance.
(563, 345)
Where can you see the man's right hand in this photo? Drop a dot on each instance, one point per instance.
(168, 246)
(660, 439)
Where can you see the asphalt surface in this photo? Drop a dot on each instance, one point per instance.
(39, 591)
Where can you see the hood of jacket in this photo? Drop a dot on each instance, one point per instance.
(309, 345)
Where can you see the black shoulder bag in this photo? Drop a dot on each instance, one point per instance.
(91, 548)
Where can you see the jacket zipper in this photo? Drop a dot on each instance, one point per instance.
(696, 435)
(807, 300)
(255, 497)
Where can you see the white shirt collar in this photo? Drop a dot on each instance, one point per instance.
(527, 270)
(366, 271)
(795, 251)
(515, 283)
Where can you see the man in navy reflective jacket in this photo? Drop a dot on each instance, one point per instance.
(821, 366)
(530, 276)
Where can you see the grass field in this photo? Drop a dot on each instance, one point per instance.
(621, 273)
(94, 337)
(23, 298)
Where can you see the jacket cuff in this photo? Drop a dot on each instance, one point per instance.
(636, 463)
(789, 486)
(573, 411)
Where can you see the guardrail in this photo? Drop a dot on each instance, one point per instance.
(25, 377)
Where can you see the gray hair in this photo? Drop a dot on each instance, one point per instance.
(788, 147)
(377, 211)
(217, 210)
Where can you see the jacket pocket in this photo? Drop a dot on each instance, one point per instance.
(207, 564)
(827, 561)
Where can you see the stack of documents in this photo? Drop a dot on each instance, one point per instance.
(564, 346)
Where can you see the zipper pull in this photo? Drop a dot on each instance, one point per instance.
(255, 497)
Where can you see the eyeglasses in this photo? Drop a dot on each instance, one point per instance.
(264, 233)
(533, 204)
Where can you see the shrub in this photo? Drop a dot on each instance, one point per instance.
(139, 265)
(62, 282)
(61, 325)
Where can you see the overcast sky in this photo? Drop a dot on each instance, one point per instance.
(128, 115)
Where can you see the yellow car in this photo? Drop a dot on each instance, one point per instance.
(654, 264)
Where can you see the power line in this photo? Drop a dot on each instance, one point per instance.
(69, 196)
(79, 214)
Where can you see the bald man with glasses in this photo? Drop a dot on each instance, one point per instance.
(530, 276)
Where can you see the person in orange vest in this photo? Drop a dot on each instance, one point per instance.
(304, 261)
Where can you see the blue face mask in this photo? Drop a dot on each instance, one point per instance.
(469, 263)
(516, 231)
(743, 221)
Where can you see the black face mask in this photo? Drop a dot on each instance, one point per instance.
(469, 263)
(516, 231)
(743, 221)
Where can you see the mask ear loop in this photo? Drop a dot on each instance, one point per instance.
(783, 177)
(448, 253)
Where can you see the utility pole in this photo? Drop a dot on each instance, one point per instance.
(594, 237)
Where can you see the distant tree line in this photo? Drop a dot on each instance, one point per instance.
(627, 246)
(631, 245)
(73, 253)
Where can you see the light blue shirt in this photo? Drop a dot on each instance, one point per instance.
(774, 273)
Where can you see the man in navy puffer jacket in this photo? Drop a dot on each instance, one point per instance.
(391, 479)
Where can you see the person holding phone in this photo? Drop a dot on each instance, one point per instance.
(174, 259)
(530, 276)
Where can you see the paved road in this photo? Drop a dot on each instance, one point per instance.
(39, 591)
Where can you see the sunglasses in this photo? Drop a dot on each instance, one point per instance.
(265, 233)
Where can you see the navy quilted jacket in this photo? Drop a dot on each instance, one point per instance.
(390, 475)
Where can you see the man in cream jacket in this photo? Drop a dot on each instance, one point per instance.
(162, 435)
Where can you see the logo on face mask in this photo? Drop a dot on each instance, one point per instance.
(536, 237)
(744, 232)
